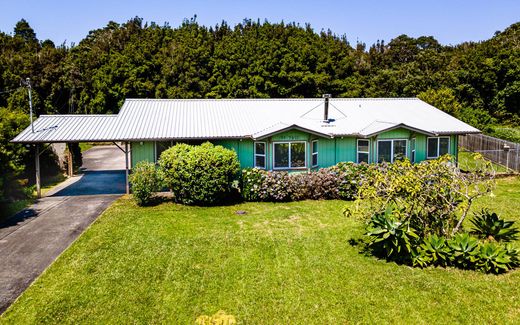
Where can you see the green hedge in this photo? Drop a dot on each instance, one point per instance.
(202, 175)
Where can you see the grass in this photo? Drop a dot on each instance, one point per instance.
(84, 146)
(467, 163)
(48, 183)
(285, 263)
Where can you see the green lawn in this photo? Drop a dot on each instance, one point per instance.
(84, 146)
(278, 264)
(467, 163)
(48, 183)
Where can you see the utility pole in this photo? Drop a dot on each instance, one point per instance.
(27, 83)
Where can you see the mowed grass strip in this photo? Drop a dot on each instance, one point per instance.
(287, 263)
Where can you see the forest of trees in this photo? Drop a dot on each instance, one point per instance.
(476, 82)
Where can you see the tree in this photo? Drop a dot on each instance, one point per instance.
(443, 98)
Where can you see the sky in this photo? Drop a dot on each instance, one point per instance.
(450, 22)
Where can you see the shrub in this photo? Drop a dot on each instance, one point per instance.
(489, 226)
(145, 182)
(351, 176)
(434, 196)
(202, 174)
(261, 185)
(492, 257)
(338, 182)
(462, 248)
(435, 251)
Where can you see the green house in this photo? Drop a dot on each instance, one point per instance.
(296, 134)
(274, 134)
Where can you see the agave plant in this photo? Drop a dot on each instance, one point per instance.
(435, 250)
(462, 248)
(492, 257)
(391, 238)
(488, 225)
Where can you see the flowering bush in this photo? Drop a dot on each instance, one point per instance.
(338, 182)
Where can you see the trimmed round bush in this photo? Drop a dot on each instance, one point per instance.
(145, 181)
(202, 175)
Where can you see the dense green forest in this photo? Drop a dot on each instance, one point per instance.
(476, 82)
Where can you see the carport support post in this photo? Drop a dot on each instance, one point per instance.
(126, 169)
(70, 166)
(37, 168)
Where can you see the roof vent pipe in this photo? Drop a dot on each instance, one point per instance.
(326, 109)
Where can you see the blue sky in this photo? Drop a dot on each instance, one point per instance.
(451, 22)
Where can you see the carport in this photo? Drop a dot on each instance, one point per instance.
(49, 129)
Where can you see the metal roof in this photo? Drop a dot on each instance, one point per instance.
(156, 119)
(69, 128)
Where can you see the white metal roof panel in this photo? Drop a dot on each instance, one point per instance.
(69, 128)
(156, 119)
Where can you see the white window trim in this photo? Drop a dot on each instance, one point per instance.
(155, 149)
(358, 152)
(289, 161)
(314, 153)
(392, 148)
(438, 146)
(412, 150)
(261, 155)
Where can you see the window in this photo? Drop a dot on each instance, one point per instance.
(289, 155)
(412, 149)
(161, 146)
(363, 150)
(438, 146)
(260, 154)
(314, 153)
(391, 150)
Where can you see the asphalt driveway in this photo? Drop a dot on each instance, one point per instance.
(31, 240)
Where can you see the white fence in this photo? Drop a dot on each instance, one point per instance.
(499, 151)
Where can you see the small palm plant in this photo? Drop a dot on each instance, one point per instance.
(489, 226)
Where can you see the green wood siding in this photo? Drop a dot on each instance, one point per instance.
(326, 152)
(292, 135)
(330, 151)
(244, 149)
(142, 152)
(346, 149)
(395, 134)
(420, 147)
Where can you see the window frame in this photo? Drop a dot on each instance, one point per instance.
(289, 158)
(314, 153)
(261, 155)
(413, 144)
(155, 149)
(391, 149)
(358, 152)
(438, 146)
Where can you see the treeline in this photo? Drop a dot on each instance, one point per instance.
(477, 82)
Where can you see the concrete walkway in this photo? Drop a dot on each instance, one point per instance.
(31, 240)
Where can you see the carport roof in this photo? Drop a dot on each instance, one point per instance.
(170, 119)
(69, 128)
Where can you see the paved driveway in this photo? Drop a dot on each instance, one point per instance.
(30, 241)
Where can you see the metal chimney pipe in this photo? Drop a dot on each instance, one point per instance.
(326, 110)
